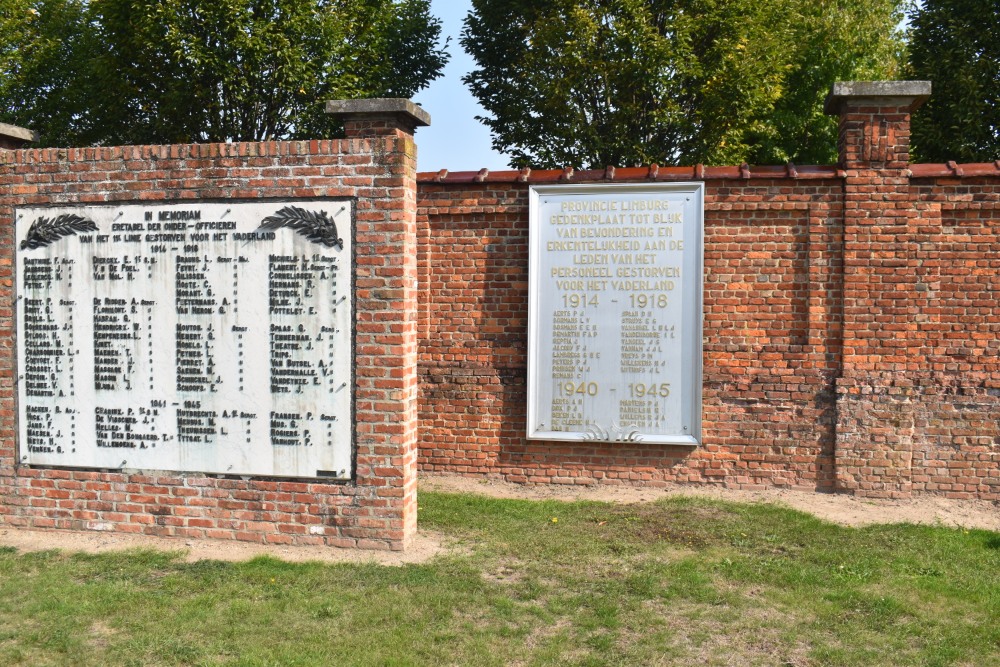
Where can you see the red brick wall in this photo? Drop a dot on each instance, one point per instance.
(850, 335)
(956, 404)
(376, 511)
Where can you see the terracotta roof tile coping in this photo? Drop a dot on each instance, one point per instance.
(955, 170)
(695, 173)
(610, 174)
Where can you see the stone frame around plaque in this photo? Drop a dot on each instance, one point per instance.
(349, 476)
(605, 252)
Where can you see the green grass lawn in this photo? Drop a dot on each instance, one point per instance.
(679, 582)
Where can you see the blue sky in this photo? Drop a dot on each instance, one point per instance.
(455, 141)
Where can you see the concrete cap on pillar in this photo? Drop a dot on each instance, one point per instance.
(406, 111)
(896, 93)
(14, 135)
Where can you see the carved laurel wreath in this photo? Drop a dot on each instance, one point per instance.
(316, 226)
(46, 231)
(621, 433)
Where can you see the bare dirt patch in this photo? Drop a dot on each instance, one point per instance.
(841, 509)
(506, 572)
(726, 637)
(100, 634)
(424, 547)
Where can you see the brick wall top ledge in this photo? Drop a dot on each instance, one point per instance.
(645, 174)
(951, 169)
(653, 173)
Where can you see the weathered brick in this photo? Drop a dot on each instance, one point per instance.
(195, 505)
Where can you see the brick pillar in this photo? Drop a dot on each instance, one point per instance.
(13, 137)
(875, 421)
(386, 309)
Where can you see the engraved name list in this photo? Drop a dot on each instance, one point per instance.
(204, 337)
(615, 313)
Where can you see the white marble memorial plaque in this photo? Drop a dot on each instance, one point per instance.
(202, 337)
(615, 313)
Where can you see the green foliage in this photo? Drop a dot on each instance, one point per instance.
(157, 71)
(596, 82)
(952, 45)
(44, 48)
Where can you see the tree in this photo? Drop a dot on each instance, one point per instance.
(596, 82)
(42, 50)
(157, 71)
(953, 46)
